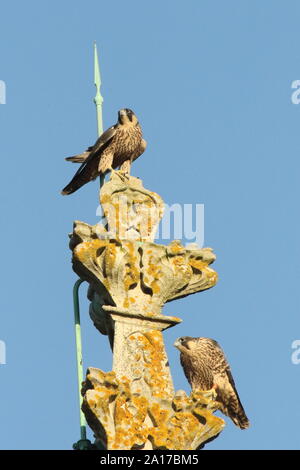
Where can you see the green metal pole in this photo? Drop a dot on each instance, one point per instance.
(79, 354)
(83, 443)
(98, 100)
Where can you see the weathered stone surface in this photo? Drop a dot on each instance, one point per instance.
(131, 211)
(131, 278)
(121, 262)
(139, 351)
(122, 419)
(140, 275)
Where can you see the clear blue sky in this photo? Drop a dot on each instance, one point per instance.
(211, 84)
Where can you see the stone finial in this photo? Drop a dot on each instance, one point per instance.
(131, 278)
(142, 276)
(131, 211)
(122, 419)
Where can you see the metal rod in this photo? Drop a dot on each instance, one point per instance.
(79, 354)
(98, 100)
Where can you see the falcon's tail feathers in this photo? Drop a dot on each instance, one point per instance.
(240, 419)
(74, 184)
(78, 158)
(70, 188)
(231, 406)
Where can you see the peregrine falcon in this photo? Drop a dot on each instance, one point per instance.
(205, 367)
(118, 146)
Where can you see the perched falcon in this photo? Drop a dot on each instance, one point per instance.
(205, 367)
(117, 147)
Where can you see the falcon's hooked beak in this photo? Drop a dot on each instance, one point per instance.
(185, 343)
(180, 344)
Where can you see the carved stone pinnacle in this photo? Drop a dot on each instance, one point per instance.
(131, 278)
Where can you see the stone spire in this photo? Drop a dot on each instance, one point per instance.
(131, 278)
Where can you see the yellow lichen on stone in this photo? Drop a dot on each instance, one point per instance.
(135, 407)
(132, 274)
(87, 250)
(155, 375)
(105, 199)
(155, 287)
(143, 276)
(123, 420)
(176, 247)
(200, 266)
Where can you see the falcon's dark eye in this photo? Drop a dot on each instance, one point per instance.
(129, 113)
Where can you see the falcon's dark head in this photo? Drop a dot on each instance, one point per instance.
(185, 341)
(208, 342)
(127, 116)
